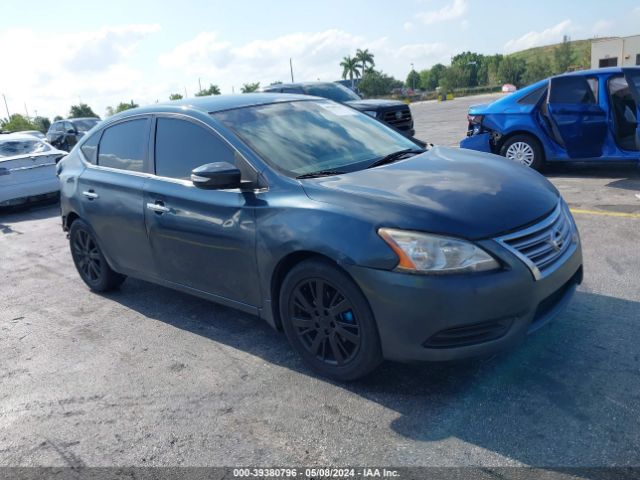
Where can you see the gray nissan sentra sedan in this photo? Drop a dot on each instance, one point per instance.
(355, 241)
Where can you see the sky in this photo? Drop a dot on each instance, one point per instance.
(58, 53)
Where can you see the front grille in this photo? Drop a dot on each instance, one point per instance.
(398, 117)
(544, 246)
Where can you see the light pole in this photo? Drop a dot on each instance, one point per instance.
(413, 78)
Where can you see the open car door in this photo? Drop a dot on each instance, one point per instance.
(578, 123)
(633, 79)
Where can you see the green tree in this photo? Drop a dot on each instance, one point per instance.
(212, 90)
(563, 56)
(175, 96)
(426, 80)
(470, 64)
(511, 70)
(536, 69)
(350, 68)
(57, 118)
(436, 73)
(364, 57)
(250, 87)
(42, 123)
(121, 107)
(413, 80)
(81, 110)
(378, 83)
(17, 123)
(493, 66)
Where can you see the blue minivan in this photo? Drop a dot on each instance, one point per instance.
(589, 115)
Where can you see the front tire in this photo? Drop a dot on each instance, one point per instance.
(328, 321)
(89, 260)
(524, 149)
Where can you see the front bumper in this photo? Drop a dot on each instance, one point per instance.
(441, 318)
(480, 142)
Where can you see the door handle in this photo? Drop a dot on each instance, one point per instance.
(158, 208)
(90, 194)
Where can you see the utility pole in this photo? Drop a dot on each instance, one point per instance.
(291, 68)
(25, 110)
(185, 92)
(199, 84)
(413, 78)
(7, 107)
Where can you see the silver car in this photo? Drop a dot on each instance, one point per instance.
(27, 169)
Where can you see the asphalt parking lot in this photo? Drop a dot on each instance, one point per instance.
(150, 376)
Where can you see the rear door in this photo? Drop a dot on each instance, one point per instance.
(202, 239)
(578, 123)
(633, 79)
(111, 194)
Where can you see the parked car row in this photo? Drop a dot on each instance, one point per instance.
(357, 242)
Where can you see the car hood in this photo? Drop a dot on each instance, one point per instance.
(374, 103)
(447, 191)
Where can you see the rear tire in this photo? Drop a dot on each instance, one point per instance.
(89, 260)
(328, 321)
(524, 149)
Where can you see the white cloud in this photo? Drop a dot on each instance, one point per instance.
(107, 66)
(315, 55)
(92, 66)
(408, 26)
(451, 11)
(534, 39)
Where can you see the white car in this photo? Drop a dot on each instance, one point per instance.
(27, 169)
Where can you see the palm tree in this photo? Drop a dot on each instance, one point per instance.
(365, 57)
(349, 68)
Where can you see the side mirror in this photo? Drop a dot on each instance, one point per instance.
(216, 176)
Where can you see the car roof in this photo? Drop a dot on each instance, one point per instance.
(602, 71)
(215, 103)
(19, 136)
(299, 84)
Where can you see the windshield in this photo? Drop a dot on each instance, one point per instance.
(85, 125)
(332, 91)
(10, 148)
(307, 136)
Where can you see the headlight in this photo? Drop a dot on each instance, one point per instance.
(434, 254)
(371, 113)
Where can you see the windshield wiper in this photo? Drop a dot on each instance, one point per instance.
(320, 173)
(392, 157)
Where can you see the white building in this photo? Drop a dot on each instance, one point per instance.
(615, 52)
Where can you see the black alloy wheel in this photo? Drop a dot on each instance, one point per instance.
(325, 322)
(89, 260)
(328, 321)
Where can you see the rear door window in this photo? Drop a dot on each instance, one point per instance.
(123, 146)
(182, 145)
(571, 89)
(90, 148)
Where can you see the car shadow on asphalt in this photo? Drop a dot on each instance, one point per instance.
(568, 396)
(30, 211)
(628, 174)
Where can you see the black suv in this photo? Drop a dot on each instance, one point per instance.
(64, 134)
(392, 112)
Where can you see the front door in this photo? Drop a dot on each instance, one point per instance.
(202, 239)
(111, 196)
(578, 123)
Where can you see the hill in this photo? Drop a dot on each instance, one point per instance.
(581, 49)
